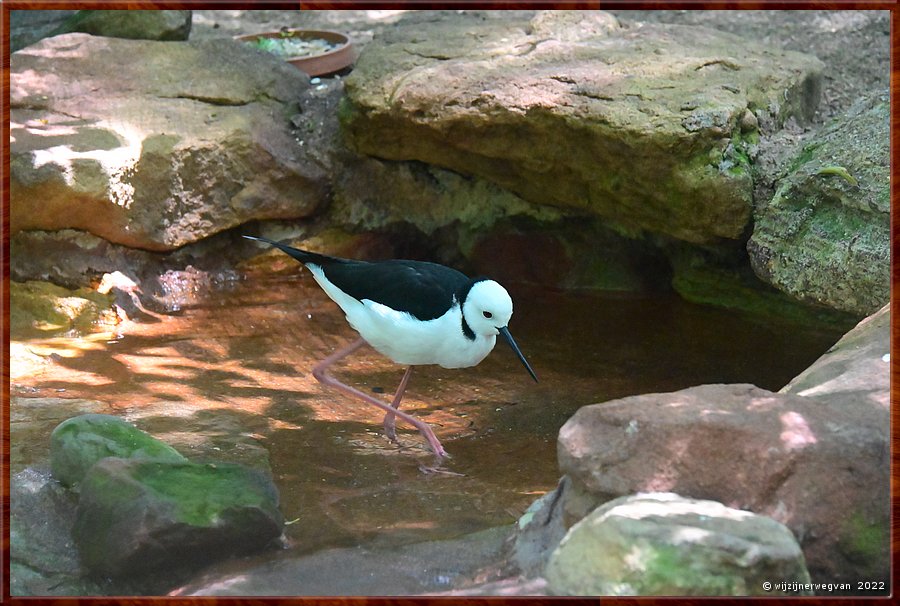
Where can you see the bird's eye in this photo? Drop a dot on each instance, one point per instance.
(487, 314)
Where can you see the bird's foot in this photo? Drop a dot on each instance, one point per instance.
(437, 469)
(390, 430)
(437, 466)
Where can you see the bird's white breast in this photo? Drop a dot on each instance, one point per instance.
(405, 339)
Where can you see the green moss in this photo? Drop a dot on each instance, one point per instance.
(202, 493)
(865, 542)
(44, 309)
(667, 573)
(78, 443)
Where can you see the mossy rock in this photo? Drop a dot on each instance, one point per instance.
(136, 515)
(78, 443)
(42, 309)
(664, 544)
(825, 236)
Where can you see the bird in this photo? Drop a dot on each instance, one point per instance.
(414, 313)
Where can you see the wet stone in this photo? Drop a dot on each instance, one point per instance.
(78, 443)
(137, 516)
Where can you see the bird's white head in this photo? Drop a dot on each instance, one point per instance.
(487, 308)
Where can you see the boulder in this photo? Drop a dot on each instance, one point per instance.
(136, 516)
(825, 236)
(855, 371)
(132, 24)
(28, 26)
(78, 443)
(663, 544)
(820, 467)
(649, 127)
(156, 153)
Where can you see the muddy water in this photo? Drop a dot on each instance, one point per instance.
(231, 380)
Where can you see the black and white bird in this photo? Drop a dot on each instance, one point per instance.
(414, 313)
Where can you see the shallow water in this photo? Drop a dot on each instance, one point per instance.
(231, 380)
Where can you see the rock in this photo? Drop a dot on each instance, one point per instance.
(41, 309)
(43, 560)
(722, 276)
(78, 443)
(821, 467)
(825, 236)
(133, 24)
(191, 140)
(640, 126)
(137, 515)
(29, 26)
(427, 568)
(538, 532)
(855, 372)
(665, 544)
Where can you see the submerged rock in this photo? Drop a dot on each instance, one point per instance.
(825, 236)
(78, 443)
(191, 140)
(663, 544)
(645, 126)
(44, 309)
(135, 516)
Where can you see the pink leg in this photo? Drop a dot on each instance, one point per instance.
(320, 372)
(389, 417)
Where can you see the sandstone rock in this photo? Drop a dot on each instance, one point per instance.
(820, 467)
(132, 24)
(78, 443)
(135, 516)
(189, 141)
(44, 309)
(825, 236)
(855, 372)
(640, 126)
(664, 544)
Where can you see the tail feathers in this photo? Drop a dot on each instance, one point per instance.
(300, 255)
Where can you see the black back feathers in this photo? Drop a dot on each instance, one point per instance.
(425, 290)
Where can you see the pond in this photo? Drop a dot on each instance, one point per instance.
(231, 380)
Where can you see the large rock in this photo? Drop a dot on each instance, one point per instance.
(820, 467)
(132, 24)
(663, 544)
(650, 127)
(78, 443)
(855, 372)
(137, 515)
(155, 153)
(825, 236)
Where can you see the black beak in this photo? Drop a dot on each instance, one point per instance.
(512, 343)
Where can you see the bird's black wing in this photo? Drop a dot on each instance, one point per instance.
(423, 289)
